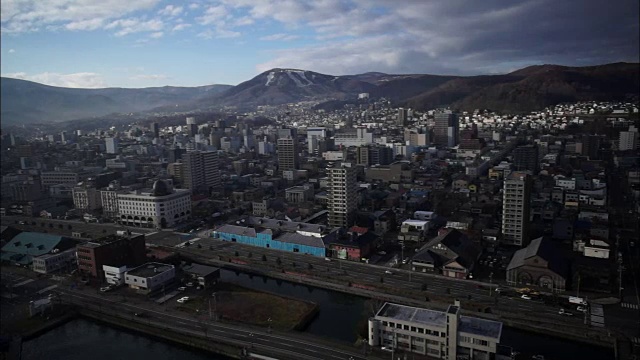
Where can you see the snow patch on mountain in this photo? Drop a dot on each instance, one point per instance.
(270, 78)
(297, 76)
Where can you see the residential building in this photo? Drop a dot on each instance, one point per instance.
(629, 140)
(150, 277)
(399, 171)
(525, 158)
(353, 245)
(113, 250)
(86, 198)
(159, 207)
(299, 194)
(452, 253)
(413, 230)
(437, 334)
(539, 264)
(342, 194)
(516, 208)
(192, 127)
(205, 276)
(358, 137)
(50, 178)
(446, 129)
(201, 171)
(287, 154)
(155, 128)
(374, 155)
(401, 119)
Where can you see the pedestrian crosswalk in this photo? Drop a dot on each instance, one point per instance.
(630, 306)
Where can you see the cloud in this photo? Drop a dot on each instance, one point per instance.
(180, 27)
(453, 36)
(171, 11)
(75, 80)
(218, 34)
(156, 35)
(280, 37)
(194, 6)
(153, 77)
(28, 16)
(213, 15)
(135, 25)
(11, 51)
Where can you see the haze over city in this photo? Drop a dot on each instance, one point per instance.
(120, 43)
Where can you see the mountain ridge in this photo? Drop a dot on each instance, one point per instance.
(526, 89)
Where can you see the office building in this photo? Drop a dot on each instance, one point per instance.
(358, 137)
(86, 198)
(113, 250)
(201, 171)
(440, 335)
(111, 145)
(446, 129)
(525, 158)
(591, 146)
(628, 140)
(516, 208)
(287, 154)
(342, 194)
(192, 127)
(374, 155)
(159, 207)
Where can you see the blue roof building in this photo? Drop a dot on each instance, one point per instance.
(278, 235)
(27, 245)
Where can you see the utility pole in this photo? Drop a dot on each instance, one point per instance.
(490, 283)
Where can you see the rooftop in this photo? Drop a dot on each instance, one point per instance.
(482, 327)
(149, 270)
(201, 270)
(413, 314)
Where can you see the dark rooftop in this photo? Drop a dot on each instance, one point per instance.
(149, 270)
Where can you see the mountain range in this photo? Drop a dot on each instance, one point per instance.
(527, 89)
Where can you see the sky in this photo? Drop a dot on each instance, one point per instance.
(142, 43)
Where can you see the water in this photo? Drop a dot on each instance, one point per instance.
(338, 319)
(81, 339)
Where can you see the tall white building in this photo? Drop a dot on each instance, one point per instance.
(516, 208)
(111, 144)
(342, 194)
(159, 207)
(440, 335)
(362, 136)
(201, 170)
(628, 140)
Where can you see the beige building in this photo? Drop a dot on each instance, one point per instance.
(342, 199)
(515, 208)
(440, 335)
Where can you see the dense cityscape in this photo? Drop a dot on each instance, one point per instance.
(447, 180)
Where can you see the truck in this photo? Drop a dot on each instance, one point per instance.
(577, 300)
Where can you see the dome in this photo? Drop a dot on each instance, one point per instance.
(160, 188)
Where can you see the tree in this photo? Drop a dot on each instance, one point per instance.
(264, 257)
(293, 264)
(381, 279)
(310, 267)
(423, 287)
(236, 253)
(199, 246)
(278, 261)
(448, 291)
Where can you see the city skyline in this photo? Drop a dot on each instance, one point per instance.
(96, 44)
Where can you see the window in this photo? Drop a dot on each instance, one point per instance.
(420, 330)
(384, 323)
(480, 342)
(406, 327)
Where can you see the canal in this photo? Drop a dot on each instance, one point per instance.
(338, 319)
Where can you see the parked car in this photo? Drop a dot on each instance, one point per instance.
(105, 288)
(388, 272)
(327, 259)
(139, 314)
(582, 308)
(182, 288)
(525, 297)
(189, 284)
(382, 253)
(564, 312)
(183, 300)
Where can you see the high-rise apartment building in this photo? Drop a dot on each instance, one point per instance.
(591, 146)
(516, 208)
(287, 154)
(201, 170)
(446, 129)
(342, 194)
(111, 145)
(525, 158)
(401, 120)
(156, 130)
(628, 140)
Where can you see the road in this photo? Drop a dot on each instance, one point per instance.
(254, 340)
